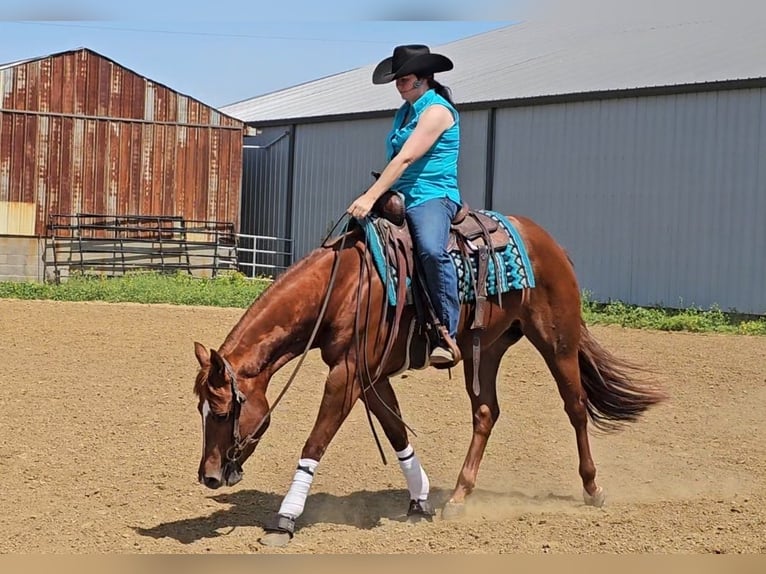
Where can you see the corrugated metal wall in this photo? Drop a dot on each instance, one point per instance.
(333, 162)
(659, 200)
(265, 245)
(265, 184)
(80, 133)
(472, 161)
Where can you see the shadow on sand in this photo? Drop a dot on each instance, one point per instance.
(363, 509)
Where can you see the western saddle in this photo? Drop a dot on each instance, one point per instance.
(473, 234)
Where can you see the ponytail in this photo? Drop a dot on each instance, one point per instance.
(440, 89)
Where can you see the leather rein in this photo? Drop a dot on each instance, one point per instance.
(239, 444)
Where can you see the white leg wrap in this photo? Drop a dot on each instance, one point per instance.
(295, 500)
(417, 480)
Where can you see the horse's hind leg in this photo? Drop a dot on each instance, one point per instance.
(486, 411)
(558, 342)
(381, 400)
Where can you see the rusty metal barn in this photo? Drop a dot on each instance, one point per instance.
(94, 150)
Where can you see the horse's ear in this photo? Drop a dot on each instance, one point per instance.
(217, 368)
(203, 357)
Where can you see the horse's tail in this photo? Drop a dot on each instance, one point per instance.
(615, 395)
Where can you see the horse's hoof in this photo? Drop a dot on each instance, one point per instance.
(279, 532)
(275, 539)
(597, 499)
(420, 510)
(453, 510)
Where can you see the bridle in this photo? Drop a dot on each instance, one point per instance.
(239, 444)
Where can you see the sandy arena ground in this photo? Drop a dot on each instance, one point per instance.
(100, 441)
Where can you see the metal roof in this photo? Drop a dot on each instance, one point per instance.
(82, 49)
(540, 58)
(16, 63)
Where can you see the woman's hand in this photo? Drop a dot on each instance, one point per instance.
(361, 206)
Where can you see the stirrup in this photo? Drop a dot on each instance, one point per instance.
(445, 342)
(441, 356)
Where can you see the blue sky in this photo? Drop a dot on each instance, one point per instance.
(229, 50)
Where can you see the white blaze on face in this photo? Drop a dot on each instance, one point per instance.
(205, 414)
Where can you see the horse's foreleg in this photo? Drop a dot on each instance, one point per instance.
(340, 393)
(485, 411)
(381, 400)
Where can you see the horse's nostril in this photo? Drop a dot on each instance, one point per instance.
(212, 482)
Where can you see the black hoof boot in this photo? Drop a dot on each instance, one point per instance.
(420, 510)
(280, 532)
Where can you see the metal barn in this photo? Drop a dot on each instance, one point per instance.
(640, 144)
(83, 137)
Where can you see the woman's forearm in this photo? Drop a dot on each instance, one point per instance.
(392, 172)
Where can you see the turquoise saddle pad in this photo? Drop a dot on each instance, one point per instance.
(509, 268)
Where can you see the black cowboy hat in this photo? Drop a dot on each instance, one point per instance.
(410, 59)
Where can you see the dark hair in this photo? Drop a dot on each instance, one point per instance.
(440, 89)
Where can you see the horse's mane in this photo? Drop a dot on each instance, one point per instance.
(298, 267)
(277, 287)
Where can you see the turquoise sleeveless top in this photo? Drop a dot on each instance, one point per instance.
(435, 174)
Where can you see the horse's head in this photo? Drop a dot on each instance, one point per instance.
(234, 417)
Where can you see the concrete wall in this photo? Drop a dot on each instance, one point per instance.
(21, 258)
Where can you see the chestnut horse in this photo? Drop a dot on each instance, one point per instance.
(316, 303)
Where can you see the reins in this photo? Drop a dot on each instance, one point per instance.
(361, 349)
(238, 398)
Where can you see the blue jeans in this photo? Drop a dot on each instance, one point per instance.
(429, 225)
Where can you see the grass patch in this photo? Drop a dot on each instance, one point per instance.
(236, 290)
(226, 290)
(695, 320)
